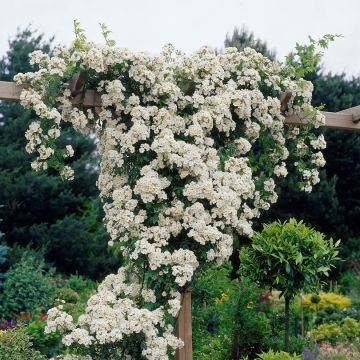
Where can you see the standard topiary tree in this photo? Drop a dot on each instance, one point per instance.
(288, 256)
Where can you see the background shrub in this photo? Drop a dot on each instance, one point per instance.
(15, 344)
(271, 355)
(26, 288)
(215, 298)
(47, 344)
(66, 294)
(326, 299)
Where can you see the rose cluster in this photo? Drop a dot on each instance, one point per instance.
(191, 147)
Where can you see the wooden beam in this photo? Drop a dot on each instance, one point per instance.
(354, 111)
(347, 119)
(9, 91)
(343, 121)
(184, 327)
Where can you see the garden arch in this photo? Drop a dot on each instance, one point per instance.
(348, 119)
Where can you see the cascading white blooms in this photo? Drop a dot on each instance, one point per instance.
(190, 150)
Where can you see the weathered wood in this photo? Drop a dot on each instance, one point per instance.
(9, 91)
(184, 328)
(341, 121)
(348, 119)
(354, 111)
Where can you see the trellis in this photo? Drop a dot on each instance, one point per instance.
(348, 119)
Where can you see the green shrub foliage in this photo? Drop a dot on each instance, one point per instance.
(16, 344)
(26, 288)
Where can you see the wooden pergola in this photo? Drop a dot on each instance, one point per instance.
(348, 119)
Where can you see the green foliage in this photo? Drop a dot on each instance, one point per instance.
(46, 344)
(327, 332)
(3, 262)
(337, 357)
(215, 298)
(80, 284)
(334, 333)
(75, 292)
(80, 37)
(40, 210)
(17, 252)
(289, 257)
(15, 344)
(233, 316)
(244, 38)
(106, 32)
(271, 355)
(332, 314)
(80, 241)
(307, 57)
(325, 300)
(216, 348)
(253, 325)
(346, 282)
(26, 288)
(66, 294)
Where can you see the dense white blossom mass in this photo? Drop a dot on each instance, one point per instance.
(190, 149)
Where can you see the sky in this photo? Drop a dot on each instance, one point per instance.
(188, 24)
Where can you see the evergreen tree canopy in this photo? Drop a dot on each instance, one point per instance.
(244, 38)
(40, 209)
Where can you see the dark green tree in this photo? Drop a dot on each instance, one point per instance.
(39, 208)
(244, 38)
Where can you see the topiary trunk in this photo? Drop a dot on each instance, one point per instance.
(287, 322)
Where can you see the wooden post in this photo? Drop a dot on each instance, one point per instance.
(184, 328)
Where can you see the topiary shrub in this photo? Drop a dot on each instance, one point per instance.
(289, 257)
(26, 288)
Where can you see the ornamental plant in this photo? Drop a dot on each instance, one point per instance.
(271, 355)
(191, 147)
(326, 299)
(347, 332)
(26, 288)
(288, 257)
(16, 344)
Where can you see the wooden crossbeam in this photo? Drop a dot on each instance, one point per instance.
(354, 111)
(340, 120)
(9, 91)
(348, 119)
